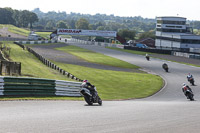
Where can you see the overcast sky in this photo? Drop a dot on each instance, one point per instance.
(144, 8)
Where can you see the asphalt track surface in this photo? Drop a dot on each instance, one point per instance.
(168, 111)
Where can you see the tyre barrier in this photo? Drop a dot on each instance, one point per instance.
(22, 86)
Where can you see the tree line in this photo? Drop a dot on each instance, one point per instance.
(52, 19)
(18, 18)
(127, 27)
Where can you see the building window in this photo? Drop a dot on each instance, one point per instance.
(171, 30)
(170, 26)
(171, 22)
(159, 21)
(190, 41)
(168, 38)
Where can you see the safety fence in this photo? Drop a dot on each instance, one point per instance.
(103, 44)
(48, 63)
(22, 86)
(36, 42)
(187, 55)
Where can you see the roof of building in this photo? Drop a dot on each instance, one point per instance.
(170, 18)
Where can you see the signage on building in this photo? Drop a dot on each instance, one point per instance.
(86, 32)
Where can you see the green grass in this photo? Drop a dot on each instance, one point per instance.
(94, 57)
(31, 66)
(130, 51)
(111, 85)
(24, 32)
(42, 44)
(16, 30)
(117, 84)
(44, 34)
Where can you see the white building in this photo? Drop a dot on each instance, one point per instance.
(173, 32)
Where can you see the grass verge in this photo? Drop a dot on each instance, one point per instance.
(31, 66)
(130, 51)
(44, 34)
(115, 85)
(111, 85)
(15, 29)
(94, 57)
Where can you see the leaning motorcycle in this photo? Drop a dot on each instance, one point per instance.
(89, 98)
(189, 94)
(191, 80)
(166, 69)
(148, 58)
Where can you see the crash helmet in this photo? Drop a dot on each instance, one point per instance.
(184, 84)
(85, 81)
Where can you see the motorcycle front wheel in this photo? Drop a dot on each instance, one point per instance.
(99, 101)
(192, 82)
(191, 97)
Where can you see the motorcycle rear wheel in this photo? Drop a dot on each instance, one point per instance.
(192, 82)
(87, 99)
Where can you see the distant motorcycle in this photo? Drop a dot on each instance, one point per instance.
(148, 58)
(89, 98)
(165, 67)
(191, 80)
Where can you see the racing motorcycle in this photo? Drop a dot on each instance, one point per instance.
(148, 58)
(89, 98)
(165, 67)
(191, 80)
(189, 94)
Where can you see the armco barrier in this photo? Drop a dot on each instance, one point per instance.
(21, 86)
(35, 42)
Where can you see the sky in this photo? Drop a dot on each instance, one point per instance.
(189, 9)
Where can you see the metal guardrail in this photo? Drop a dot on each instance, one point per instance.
(22, 86)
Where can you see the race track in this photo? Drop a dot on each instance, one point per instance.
(168, 111)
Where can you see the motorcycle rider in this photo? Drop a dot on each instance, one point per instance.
(189, 76)
(90, 87)
(147, 56)
(185, 88)
(165, 66)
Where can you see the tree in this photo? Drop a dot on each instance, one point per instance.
(24, 18)
(62, 24)
(71, 23)
(32, 18)
(16, 17)
(6, 16)
(100, 28)
(82, 24)
(148, 34)
(50, 25)
(127, 34)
